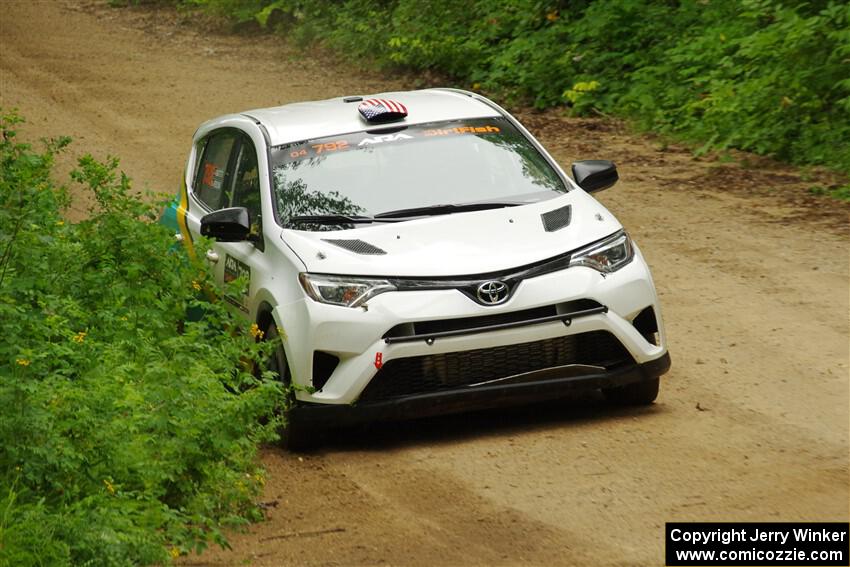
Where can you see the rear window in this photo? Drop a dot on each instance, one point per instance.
(371, 172)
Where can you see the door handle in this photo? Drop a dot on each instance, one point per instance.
(212, 256)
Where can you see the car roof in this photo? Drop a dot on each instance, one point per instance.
(317, 119)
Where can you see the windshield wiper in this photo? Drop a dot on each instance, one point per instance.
(401, 214)
(446, 209)
(335, 219)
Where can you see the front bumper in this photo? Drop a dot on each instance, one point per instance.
(361, 338)
(545, 385)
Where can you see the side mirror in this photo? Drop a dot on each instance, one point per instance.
(595, 174)
(227, 225)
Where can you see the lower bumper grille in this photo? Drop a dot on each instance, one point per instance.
(433, 373)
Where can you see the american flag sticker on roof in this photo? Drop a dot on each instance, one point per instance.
(378, 110)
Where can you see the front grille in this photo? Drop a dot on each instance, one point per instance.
(434, 373)
(426, 328)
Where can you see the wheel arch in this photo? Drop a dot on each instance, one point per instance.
(265, 317)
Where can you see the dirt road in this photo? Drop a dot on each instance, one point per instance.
(752, 421)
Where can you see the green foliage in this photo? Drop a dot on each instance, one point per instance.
(239, 10)
(768, 76)
(842, 193)
(128, 436)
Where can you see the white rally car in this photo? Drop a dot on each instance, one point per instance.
(420, 253)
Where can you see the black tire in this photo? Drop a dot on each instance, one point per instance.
(636, 394)
(291, 437)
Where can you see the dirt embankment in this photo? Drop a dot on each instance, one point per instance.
(751, 424)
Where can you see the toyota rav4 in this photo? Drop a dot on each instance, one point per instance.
(420, 253)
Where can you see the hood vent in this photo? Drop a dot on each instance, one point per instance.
(556, 219)
(356, 246)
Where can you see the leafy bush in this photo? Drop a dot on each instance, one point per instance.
(127, 436)
(768, 76)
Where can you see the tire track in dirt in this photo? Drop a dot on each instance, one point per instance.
(752, 421)
(426, 514)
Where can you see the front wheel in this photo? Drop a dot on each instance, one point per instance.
(640, 393)
(291, 436)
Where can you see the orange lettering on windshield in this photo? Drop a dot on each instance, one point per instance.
(461, 130)
(330, 146)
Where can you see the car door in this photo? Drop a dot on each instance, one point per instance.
(227, 176)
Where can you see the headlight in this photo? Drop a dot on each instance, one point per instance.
(342, 290)
(606, 256)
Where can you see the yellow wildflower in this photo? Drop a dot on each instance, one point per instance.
(109, 487)
(196, 285)
(22, 361)
(60, 223)
(175, 552)
(256, 332)
(79, 337)
(476, 86)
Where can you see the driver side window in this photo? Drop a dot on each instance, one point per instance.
(213, 179)
(228, 176)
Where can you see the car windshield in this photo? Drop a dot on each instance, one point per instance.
(405, 172)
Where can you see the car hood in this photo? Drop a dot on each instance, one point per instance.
(458, 244)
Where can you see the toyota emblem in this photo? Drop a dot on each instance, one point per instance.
(492, 292)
